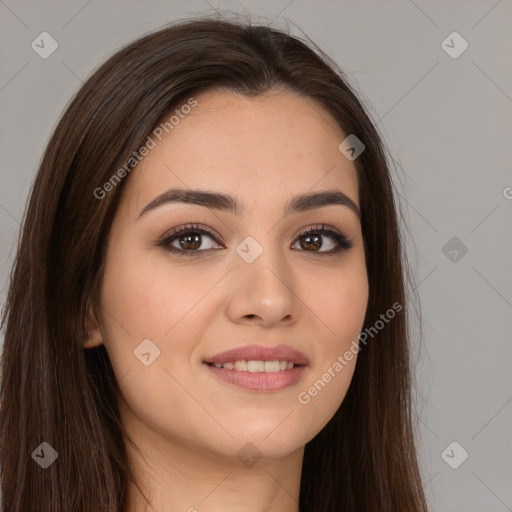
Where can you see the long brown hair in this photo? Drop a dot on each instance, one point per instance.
(55, 391)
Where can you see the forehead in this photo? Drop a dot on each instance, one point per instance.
(263, 149)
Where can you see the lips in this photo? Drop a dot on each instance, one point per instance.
(259, 368)
(260, 353)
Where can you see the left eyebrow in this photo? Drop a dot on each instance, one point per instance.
(224, 202)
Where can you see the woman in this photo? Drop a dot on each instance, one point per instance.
(210, 247)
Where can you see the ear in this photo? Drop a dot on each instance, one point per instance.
(94, 335)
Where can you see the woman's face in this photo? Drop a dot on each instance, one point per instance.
(170, 304)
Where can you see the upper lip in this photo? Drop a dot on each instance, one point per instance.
(260, 353)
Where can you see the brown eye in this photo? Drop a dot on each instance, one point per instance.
(188, 240)
(311, 240)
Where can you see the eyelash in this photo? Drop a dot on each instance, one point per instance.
(343, 243)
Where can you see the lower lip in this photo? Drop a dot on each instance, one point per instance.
(260, 381)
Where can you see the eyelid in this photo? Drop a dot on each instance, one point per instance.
(186, 228)
(320, 227)
(343, 242)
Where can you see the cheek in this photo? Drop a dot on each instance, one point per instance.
(147, 297)
(151, 296)
(340, 308)
(339, 302)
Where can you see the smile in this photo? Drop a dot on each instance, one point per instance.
(255, 366)
(254, 376)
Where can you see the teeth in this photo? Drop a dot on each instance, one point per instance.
(257, 366)
(241, 366)
(272, 366)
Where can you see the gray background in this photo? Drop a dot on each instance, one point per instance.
(447, 122)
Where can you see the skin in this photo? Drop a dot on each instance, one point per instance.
(189, 425)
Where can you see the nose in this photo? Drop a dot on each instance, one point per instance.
(263, 292)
